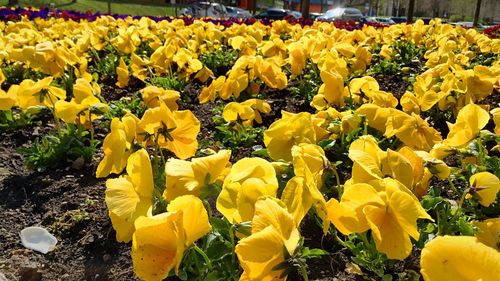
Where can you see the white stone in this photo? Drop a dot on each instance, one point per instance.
(38, 239)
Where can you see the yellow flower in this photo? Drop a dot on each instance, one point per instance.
(270, 72)
(485, 186)
(40, 93)
(158, 245)
(159, 241)
(470, 120)
(390, 211)
(204, 74)
(496, 118)
(210, 93)
(297, 57)
(194, 217)
(151, 95)
(175, 131)
(273, 232)
(290, 130)
(84, 104)
(489, 232)
(138, 67)
(331, 92)
(127, 40)
(248, 180)
(192, 177)
(412, 130)
(122, 74)
(116, 146)
(9, 99)
(459, 258)
(130, 197)
(358, 87)
(246, 111)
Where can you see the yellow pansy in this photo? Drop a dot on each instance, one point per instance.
(191, 177)
(8, 99)
(496, 118)
(470, 120)
(273, 232)
(122, 74)
(154, 255)
(130, 197)
(151, 95)
(489, 232)
(248, 180)
(115, 150)
(331, 92)
(40, 93)
(459, 258)
(246, 111)
(175, 131)
(485, 186)
(159, 241)
(194, 217)
(210, 93)
(288, 131)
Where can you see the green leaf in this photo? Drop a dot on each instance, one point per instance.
(261, 152)
(327, 144)
(313, 253)
(430, 203)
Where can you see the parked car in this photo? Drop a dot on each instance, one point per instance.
(205, 9)
(399, 19)
(314, 16)
(235, 12)
(381, 20)
(342, 14)
(277, 14)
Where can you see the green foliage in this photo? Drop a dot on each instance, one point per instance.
(69, 220)
(169, 82)
(103, 64)
(53, 150)
(385, 67)
(11, 121)
(403, 59)
(406, 52)
(219, 61)
(118, 108)
(218, 248)
(234, 135)
(306, 85)
(16, 73)
(366, 255)
(485, 59)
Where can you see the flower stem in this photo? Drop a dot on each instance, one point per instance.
(205, 257)
(231, 237)
(303, 271)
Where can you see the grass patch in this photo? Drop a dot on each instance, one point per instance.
(101, 6)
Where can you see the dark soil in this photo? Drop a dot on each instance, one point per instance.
(70, 204)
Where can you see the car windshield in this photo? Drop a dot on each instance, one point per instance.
(333, 13)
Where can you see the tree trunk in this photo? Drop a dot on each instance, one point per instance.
(13, 3)
(411, 7)
(109, 6)
(305, 9)
(476, 14)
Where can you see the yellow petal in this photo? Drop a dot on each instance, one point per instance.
(486, 187)
(195, 217)
(459, 258)
(154, 255)
(489, 232)
(260, 252)
(140, 173)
